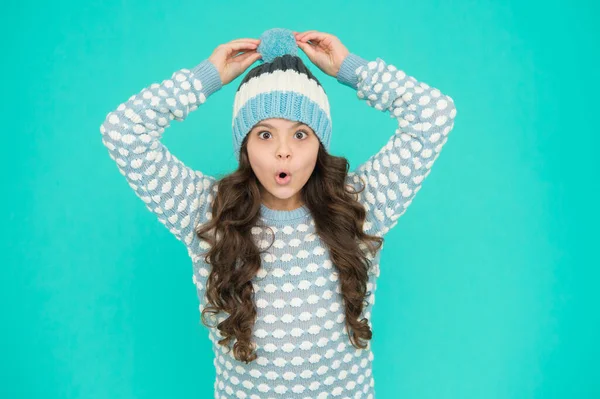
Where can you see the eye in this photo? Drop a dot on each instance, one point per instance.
(302, 131)
(267, 132)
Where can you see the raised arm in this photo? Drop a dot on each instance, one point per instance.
(425, 116)
(176, 194)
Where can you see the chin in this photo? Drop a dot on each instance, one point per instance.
(283, 192)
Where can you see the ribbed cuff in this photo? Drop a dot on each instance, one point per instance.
(347, 73)
(208, 74)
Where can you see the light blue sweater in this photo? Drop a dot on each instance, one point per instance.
(302, 346)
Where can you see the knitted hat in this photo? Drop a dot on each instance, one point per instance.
(281, 87)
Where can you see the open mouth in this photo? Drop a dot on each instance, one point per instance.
(282, 177)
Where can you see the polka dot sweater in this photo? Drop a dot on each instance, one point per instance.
(302, 346)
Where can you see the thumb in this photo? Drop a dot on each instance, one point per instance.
(249, 59)
(307, 48)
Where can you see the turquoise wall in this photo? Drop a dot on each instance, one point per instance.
(487, 288)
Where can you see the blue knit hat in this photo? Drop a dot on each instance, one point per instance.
(281, 87)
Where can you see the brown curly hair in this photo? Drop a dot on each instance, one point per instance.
(235, 258)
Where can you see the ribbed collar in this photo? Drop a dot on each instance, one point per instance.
(278, 215)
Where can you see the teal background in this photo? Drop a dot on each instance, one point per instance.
(488, 282)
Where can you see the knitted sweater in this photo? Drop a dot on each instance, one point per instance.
(302, 346)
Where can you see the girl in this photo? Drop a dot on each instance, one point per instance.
(286, 248)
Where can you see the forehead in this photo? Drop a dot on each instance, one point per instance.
(279, 123)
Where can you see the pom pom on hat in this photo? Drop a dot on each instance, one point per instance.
(277, 42)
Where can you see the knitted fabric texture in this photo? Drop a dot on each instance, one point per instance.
(302, 346)
(282, 87)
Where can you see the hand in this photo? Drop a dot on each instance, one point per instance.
(229, 63)
(324, 50)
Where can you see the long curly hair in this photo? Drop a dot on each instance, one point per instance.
(235, 258)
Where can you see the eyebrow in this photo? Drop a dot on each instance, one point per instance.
(271, 127)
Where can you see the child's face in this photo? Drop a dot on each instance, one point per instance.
(275, 144)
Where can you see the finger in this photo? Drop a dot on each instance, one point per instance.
(235, 45)
(251, 40)
(305, 34)
(298, 35)
(239, 51)
(246, 60)
(243, 56)
(313, 36)
(240, 46)
(252, 57)
(308, 49)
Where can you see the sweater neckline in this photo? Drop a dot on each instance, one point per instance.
(283, 215)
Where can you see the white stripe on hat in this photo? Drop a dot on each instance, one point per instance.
(288, 80)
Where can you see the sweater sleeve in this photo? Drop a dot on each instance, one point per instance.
(179, 196)
(425, 116)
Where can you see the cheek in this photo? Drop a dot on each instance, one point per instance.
(258, 164)
(312, 154)
(308, 164)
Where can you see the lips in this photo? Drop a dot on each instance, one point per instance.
(283, 176)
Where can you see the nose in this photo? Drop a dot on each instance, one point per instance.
(283, 151)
